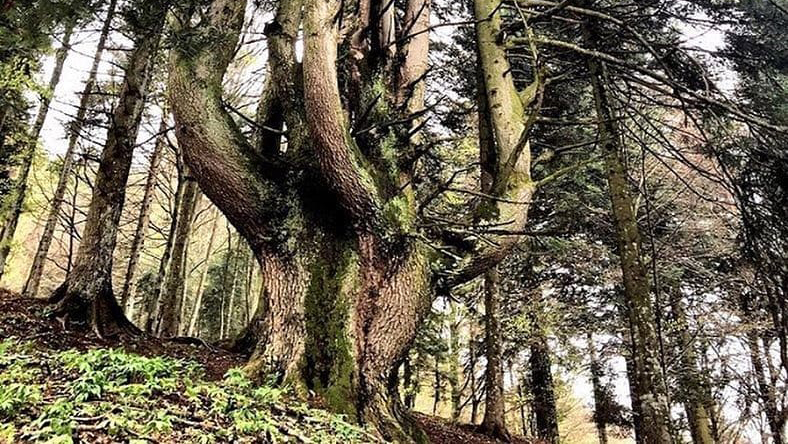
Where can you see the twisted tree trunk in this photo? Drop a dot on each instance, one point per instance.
(345, 283)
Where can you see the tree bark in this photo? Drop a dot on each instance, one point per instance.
(774, 416)
(544, 403)
(39, 260)
(171, 299)
(146, 207)
(345, 284)
(494, 422)
(87, 292)
(692, 388)
(20, 188)
(596, 382)
(653, 397)
(454, 362)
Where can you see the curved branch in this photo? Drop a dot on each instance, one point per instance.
(235, 176)
(340, 160)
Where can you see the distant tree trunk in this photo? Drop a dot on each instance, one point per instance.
(521, 400)
(648, 371)
(171, 299)
(437, 387)
(201, 282)
(472, 361)
(20, 188)
(233, 290)
(544, 404)
(599, 395)
(39, 260)
(494, 422)
(691, 388)
(87, 292)
(454, 362)
(146, 207)
(408, 383)
(223, 290)
(151, 313)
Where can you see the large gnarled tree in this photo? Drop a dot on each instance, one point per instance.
(332, 218)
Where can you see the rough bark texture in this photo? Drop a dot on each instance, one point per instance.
(345, 284)
(20, 188)
(87, 291)
(143, 221)
(171, 299)
(651, 386)
(39, 260)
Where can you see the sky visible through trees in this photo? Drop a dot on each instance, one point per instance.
(557, 221)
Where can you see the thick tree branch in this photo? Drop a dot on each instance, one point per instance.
(340, 160)
(229, 170)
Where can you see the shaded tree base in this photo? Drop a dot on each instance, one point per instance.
(497, 431)
(100, 312)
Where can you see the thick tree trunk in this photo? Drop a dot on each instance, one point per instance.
(39, 260)
(171, 299)
(494, 422)
(599, 395)
(146, 207)
(544, 403)
(20, 188)
(648, 371)
(345, 287)
(87, 291)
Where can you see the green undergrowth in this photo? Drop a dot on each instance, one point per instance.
(107, 395)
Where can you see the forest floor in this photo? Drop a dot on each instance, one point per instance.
(59, 386)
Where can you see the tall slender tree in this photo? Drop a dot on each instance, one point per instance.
(87, 292)
(20, 188)
(171, 299)
(75, 131)
(146, 208)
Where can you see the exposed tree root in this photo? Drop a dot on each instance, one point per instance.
(496, 431)
(100, 312)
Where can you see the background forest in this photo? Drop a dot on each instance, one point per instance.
(404, 220)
